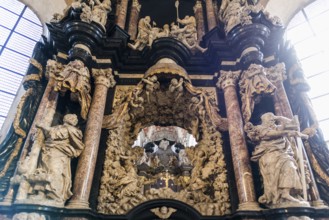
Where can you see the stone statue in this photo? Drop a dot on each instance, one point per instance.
(253, 86)
(230, 13)
(51, 182)
(281, 178)
(144, 30)
(99, 12)
(176, 86)
(75, 78)
(190, 37)
(151, 84)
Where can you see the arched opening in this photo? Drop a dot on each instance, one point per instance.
(162, 112)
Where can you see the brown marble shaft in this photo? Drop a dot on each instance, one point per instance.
(211, 18)
(198, 12)
(87, 161)
(240, 155)
(282, 107)
(45, 115)
(48, 102)
(48, 95)
(133, 21)
(122, 14)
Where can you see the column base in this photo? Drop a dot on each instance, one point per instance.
(78, 204)
(318, 204)
(249, 206)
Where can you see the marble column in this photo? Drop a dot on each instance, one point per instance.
(33, 145)
(211, 18)
(198, 12)
(133, 21)
(48, 101)
(240, 156)
(87, 161)
(122, 14)
(277, 74)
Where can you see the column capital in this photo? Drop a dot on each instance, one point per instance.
(276, 73)
(104, 77)
(228, 78)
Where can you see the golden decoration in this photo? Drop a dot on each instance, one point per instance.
(18, 130)
(35, 63)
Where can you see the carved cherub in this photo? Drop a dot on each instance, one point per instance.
(163, 212)
(176, 87)
(151, 84)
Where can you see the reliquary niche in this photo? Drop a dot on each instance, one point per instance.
(168, 115)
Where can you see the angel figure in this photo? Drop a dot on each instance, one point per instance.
(176, 87)
(163, 212)
(151, 84)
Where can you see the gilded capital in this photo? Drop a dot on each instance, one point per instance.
(228, 78)
(104, 77)
(53, 68)
(276, 73)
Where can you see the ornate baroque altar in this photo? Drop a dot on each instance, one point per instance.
(167, 109)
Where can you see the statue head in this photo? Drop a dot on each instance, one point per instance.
(71, 119)
(268, 118)
(164, 210)
(174, 81)
(147, 19)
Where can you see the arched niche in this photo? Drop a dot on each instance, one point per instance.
(164, 97)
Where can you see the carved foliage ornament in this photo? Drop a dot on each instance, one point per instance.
(253, 85)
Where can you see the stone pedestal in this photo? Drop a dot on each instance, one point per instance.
(198, 12)
(211, 18)
(122, 14)
(241, 162)
(87, 161)
(133, 21)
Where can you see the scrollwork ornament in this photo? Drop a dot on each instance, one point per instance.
(38, 65)
(228, 78)
(32, 77)
(104, 77)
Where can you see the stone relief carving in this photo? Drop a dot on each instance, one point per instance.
(94, 10)
(253, 85)
(204, 187)
(50, 183)
(163, 212)
(275, 156)
(28, 216)
(147, 33)
(238, 12)
(75, 77)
